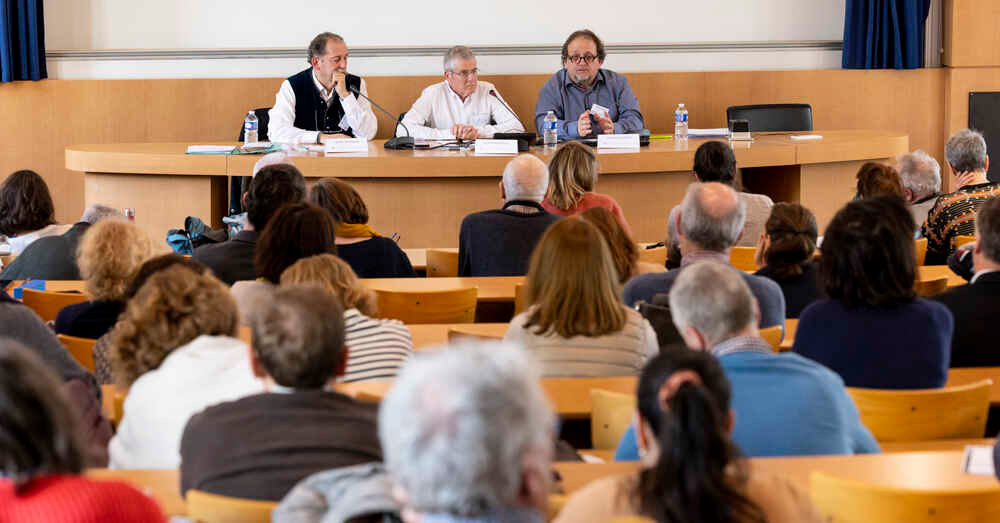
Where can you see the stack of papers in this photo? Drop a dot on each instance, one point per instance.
(210, 149)
(703, 133)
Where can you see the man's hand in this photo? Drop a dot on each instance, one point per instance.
(583, 124)
(606, 125)
(464, 132)
(964, 178)
(334, 136)
(340, 84)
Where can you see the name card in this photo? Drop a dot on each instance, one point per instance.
(345, 145)
(618, 141)
(496, 146)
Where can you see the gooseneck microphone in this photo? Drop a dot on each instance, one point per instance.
(396, 142)
(524, 139)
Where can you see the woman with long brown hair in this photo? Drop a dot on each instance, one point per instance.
(785, 254)
(572, 177)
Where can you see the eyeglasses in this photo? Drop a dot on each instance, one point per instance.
(466, 74)
(588, 58)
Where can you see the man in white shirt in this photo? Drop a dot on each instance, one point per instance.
(321, 101)
(461, 106)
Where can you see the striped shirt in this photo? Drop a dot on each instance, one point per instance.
(953, 215)
(376, 348)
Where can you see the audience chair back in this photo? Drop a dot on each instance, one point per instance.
(848, 501)
(212, 508)
(773, 117)
(742, 258)
(925, 414)
(772, 335)
(448, 306)
(610, 416)
(82, 350)
(5, 260)
(460, 333)
(47, 304)
(920, 248)
(556, 504)
(962, 240)
(441, 263)
(520, 299)
(931, 287)
(657, 256)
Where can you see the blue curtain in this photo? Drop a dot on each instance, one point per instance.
(22, 40)
(885, 34)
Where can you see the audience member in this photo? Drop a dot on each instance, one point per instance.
(26, 211)
(572, 177)
(709, 223)
(872, 329)
(876, 179)
(672, 242)
(783, 404)
(368, 253)
(691, 470)
(54, 257)
(109, 255)
(43, 458)
(954, 214)
(577, 324)
(921, 176)
(272, 187)
(714, 161)
(379, 347)
(785, 254)
(974, 306)
(176, 352)
(260, 446)
(624, 251)
(467, 436)
(499, 242)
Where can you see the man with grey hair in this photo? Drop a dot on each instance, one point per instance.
(499, 242)
(954, 214)
(709, 223)
(54, 257)
(921, 177)
(462, 106)
(466, 432)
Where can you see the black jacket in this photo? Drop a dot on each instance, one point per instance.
(975, 307)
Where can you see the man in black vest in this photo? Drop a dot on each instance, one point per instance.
(319, 102)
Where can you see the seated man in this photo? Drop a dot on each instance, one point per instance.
(272, 187)
(499, 242)
(319, 101)
(954, 214)
(54, 257)
(974, 305)
(467, 436)
(714, 161)
(572, 92)
(461, 106)
(784, 404)
(709, 224)
(921, 176)
(260, 446)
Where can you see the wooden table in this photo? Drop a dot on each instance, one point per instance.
(423, 195)
(933, 272)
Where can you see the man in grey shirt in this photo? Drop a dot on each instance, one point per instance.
(572, 92)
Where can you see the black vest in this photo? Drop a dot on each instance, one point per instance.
(311, 112)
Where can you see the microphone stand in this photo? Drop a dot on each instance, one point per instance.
(396, 142)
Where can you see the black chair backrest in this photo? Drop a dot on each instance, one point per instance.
(262, 119)
(773, 117)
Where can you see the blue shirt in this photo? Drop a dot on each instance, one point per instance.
(784, 405)
(568, 101)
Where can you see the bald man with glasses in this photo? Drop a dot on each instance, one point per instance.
(587, 99)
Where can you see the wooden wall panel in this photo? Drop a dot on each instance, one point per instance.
(970, 35)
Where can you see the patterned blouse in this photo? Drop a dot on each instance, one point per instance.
(954, 215)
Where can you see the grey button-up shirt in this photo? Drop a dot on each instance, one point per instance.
(567, 100)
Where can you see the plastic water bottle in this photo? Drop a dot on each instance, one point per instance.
(250, 128)
(551, 137)
(681, 123)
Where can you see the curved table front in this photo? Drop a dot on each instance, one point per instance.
(423, 195)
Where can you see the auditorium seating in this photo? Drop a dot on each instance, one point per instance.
(47, 304)
(920, 249)
(916, 415)
(962, 240)
(212, 508)
(441, 263)
(611, 414)
(448, 306)
(931, 287)
(82, 349)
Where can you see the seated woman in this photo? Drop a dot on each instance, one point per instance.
(572, 177)
(690, 468)
(624, 251)
(368, 253)
(42, 458)
(577, 324)
(873, 330)
(26, 211)
(176, 352)
(377, 348)
(714, 161)
(785, 254)
(876, 179)
(109, 255)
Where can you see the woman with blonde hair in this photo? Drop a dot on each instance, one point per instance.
(376, 348)
(175, 350)
(572, 177)
(109, 255)
(577, 324)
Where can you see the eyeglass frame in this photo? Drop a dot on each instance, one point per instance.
(586, 58)
(465, 74)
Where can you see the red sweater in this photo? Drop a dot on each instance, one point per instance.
(76, 499)
(590, 200)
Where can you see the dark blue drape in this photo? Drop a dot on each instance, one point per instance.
(885, 34)
(22, 40)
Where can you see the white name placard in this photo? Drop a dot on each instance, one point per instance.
(346, 145)
(618, 141)
(496, 146)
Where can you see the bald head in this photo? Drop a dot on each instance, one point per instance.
(525, 178)
(712, 216)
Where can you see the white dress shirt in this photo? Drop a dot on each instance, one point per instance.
(439, 108)
(358, 115)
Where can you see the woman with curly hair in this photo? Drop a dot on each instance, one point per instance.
(176, 351)
(109, 255)
(26, 211)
